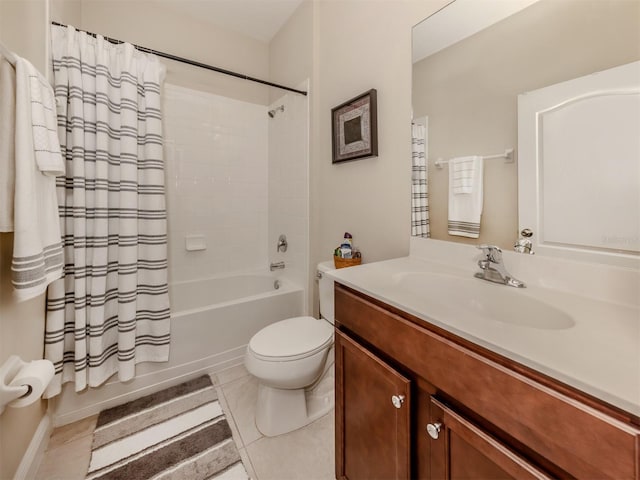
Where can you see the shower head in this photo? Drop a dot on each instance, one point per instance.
(272, 113)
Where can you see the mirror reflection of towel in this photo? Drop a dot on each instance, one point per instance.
(465, 196)
(463, 170)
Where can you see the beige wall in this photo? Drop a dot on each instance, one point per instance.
(66, 11)
(347, 47)
(291, 51)
(152, 25)
(363, 45)
(469, 92)
(25, 16)
(21, 324)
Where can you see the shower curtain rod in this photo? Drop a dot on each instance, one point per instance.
(192, 62)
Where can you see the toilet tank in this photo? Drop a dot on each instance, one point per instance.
(325, 289)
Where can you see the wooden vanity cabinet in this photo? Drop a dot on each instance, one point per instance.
(461, 449)
(373, 415)
(492, 418)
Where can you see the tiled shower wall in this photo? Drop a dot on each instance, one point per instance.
(216, 156)
(289, 185)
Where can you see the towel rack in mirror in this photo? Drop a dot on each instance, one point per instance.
(507, 155)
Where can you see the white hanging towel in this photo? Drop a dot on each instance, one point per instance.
(37, 248)
(465, 196)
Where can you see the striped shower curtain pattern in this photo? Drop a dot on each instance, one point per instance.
(419, 196)
(110, 310)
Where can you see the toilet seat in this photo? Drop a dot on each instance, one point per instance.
(291, 339)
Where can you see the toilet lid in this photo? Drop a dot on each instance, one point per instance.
(293, 337)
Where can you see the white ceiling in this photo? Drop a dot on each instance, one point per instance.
(259, 19)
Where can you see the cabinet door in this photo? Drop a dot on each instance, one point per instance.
(372, 415)
(461, 450)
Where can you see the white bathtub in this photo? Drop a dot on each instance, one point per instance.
(212, 321)
(216, 291)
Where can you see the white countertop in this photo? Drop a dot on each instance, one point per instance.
(599, 354)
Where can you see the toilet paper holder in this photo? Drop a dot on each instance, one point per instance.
(8, 371)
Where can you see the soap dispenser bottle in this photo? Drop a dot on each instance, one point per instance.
(346, 247)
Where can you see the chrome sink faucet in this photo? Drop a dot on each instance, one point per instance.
(493, 269)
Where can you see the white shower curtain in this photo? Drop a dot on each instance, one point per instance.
(110, 311)
(419, 196)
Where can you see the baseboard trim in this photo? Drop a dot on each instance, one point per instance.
(32, 458)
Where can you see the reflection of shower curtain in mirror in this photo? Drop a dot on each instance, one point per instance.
(419, 197)
(110, 311)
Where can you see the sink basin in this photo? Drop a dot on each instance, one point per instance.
(449, 294)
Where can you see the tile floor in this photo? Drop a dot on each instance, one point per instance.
(305, 454)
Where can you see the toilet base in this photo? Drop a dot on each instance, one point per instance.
(281, 411)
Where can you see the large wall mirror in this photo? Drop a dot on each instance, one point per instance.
(472, 61)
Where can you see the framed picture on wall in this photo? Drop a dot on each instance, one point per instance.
(355, 128)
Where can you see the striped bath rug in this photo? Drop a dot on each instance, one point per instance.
(178, 433)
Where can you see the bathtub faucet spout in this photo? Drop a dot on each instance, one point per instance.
(276, 266)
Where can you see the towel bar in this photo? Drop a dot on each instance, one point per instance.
(507, 155)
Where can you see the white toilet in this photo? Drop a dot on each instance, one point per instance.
(293, 361)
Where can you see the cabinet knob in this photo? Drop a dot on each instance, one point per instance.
(433, 429)
(397, 400)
